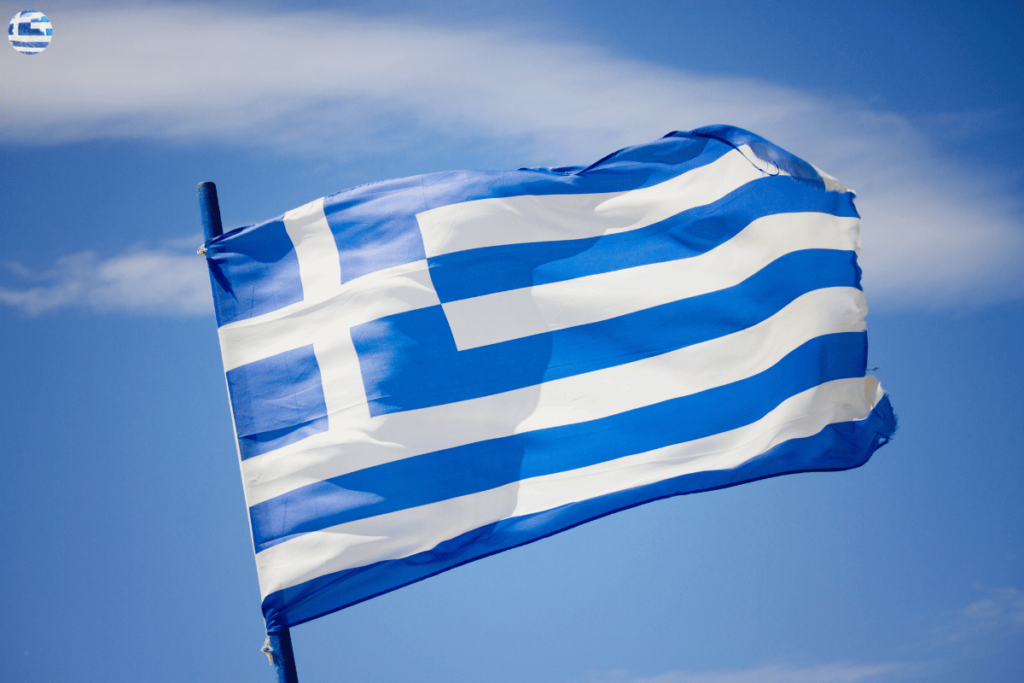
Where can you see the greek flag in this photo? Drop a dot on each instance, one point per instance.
(30, 32)
(427, 371)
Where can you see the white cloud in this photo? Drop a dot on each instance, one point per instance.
(936, 233)
(1000, 612)
(148, 281)
(827, 673)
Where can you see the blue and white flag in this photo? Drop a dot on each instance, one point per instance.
(30, 32)
(427, 371)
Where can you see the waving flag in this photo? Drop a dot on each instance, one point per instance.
(430, 370)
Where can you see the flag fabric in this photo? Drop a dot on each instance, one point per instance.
(427, 371)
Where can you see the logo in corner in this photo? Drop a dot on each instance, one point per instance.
(30, 32)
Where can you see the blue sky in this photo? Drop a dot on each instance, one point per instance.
(126, 553)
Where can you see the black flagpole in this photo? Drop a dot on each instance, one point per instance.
(278, 646)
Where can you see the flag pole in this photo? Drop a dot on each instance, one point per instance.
(209, 210)
(278, 646)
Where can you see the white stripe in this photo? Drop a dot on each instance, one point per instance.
(340, 377)
(356, 441)
(316, 249)
(407, 532)
(517, 313)
(831, 183)
(542, 218)
(384, 292)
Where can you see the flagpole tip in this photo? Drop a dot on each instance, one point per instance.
(209, 210)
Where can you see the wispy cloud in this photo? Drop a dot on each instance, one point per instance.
(990, 623)
(842, 672)
(164, 281)
(937, 233)
(999, 613)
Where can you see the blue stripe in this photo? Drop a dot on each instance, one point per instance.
(25, 28)
(375, 225)
(253, 273)
(796, 167)
(486, 465)
(837, 447)
(476, 272)
(410, 361)
(277, 401)
(19, 43)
